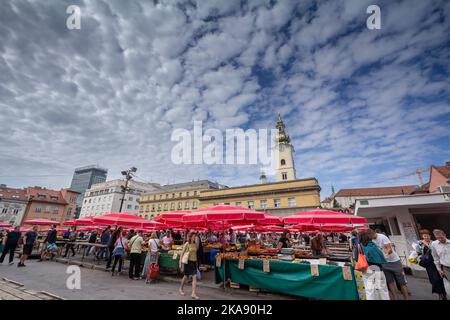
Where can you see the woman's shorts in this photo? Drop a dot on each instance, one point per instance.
(27, 249)
(190, 268)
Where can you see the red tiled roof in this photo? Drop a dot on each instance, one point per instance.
(383, 191)
(33, 194)
(327, 200)
(444, 170)
(13, 194)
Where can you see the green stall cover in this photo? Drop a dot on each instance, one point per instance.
(291, 278)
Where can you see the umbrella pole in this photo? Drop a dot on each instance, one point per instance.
(224, 260)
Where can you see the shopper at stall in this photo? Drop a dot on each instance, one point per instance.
(70, 244)
(393, 269)
(441, 255)
(28, 244)
(11, 241)
(104, 239)
(354, 244)
(111, 244)
(92, 239)
(188, 264)
(119, 251)
(135, 245)
(199, 244)
(132, 234)
(373, 278)
(167, 242)
(426, 261)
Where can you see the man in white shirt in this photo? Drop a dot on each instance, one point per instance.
(440, 249)
(393, 269)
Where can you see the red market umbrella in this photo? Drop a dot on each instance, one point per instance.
(269, 229)
(40, 222)
(176, 216)
(324, 216)
(69, 223)
(125, 220)
(223, 213)
(325, 227)
(270, 220)
(5, 225)
(85, 221)
(21, 229)
(154, 225)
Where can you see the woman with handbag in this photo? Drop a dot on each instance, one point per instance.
(370, 263)
(119, 251)
(426, 261)
(188, 264)
(152, 255)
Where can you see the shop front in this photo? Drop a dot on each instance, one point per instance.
(401, 218)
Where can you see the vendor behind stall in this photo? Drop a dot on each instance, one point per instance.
(284, 241)
(318, 245)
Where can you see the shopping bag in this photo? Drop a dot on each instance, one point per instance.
(153, 272)
(361, 264)
(199, 275)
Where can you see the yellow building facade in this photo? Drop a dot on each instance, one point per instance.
(180, 196)
(279, 198)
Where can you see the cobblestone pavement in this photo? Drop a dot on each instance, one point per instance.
(51, 277)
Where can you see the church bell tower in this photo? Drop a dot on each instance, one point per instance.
(284, 154)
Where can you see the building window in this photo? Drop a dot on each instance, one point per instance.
(187, 194)
(173, 195)
(172, 206)
(283, 162)
(47, 209)
(276, 203)
(55, 210)
(180, 194)
(186, 205)
(15, 211)
(159, 206)
(136, 207)
(166, 206)
(180, 205)
(153, 208)
(239, 204)
(284, 175)
(291, 202)
(226, 203)
(147, 208)
(194, 204)
(167, 196)
(263, 204)
(5, 210)
(130, 198)
(129, 206)
(195, 193)
(160, 197)
(146, 216)
(251, 204)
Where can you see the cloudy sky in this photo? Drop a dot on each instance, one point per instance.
(362, 106)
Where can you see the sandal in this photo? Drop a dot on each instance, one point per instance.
(181, 292)
(195, 297)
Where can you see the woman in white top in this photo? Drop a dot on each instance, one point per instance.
(119, 251)
(167, 242)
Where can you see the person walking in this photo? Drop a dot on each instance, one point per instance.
(71, 242)
(29, 240)
(354, 241)
(119, 251)
(11, 242)
(135, 245)
(153, 253)
(393, 269)
(104, 239)
(112, 244)
(440, 249)
(188, 264)
(50, 244)
(373, 278)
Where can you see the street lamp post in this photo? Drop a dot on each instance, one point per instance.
(128, 174)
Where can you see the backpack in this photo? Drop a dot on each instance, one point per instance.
(426, 259)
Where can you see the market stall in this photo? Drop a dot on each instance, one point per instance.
(300, 278)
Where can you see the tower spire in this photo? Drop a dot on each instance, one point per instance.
(283, 137)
